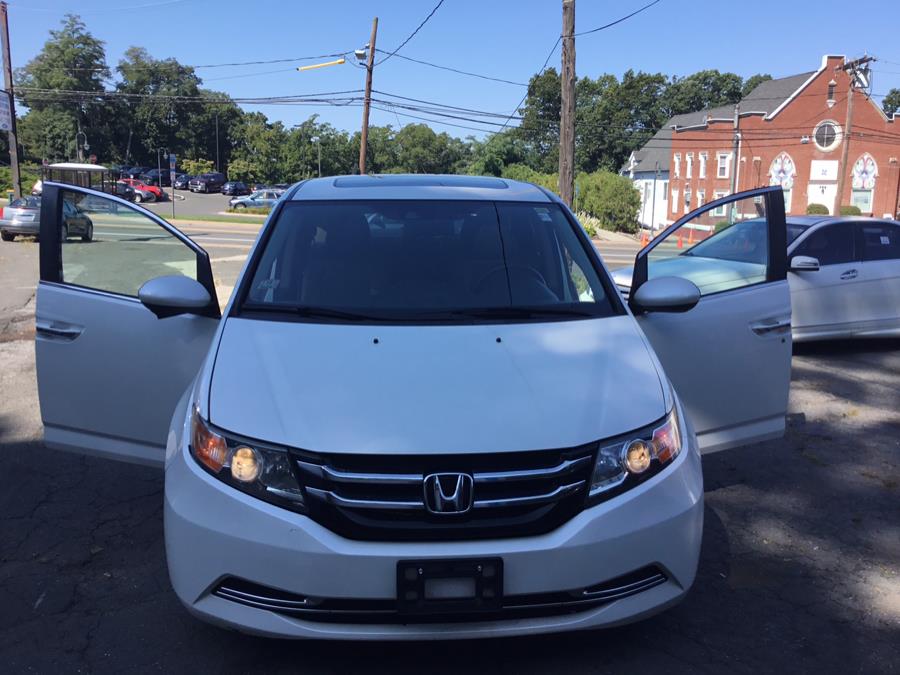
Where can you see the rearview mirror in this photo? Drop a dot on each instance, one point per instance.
(174, 295)
(804, 263)
(666, 294)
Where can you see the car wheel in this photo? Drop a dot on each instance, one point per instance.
(239, 206)
(63, 233)
(7, 236)
(88, 232)
(138, 197)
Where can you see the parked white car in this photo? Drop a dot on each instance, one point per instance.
(844, 272)
(426, 412)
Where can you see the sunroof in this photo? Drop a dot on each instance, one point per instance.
(420, 181)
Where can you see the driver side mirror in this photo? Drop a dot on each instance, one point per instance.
(804, 263)
(173, 295)
(666, 294)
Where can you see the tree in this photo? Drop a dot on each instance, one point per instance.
(700, 91)
(539, 127)
(611, 198)
(490, 157)
(891, 102)
(753, 82)
(194, 167)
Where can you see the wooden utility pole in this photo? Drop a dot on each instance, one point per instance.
(852, 69)
(567, 110)
(370, 64)
(8, 83)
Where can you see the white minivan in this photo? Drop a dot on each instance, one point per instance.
(426, 411)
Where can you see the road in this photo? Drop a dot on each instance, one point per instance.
(800, 567)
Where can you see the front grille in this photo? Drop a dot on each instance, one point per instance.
(351, 610)
(383, 497)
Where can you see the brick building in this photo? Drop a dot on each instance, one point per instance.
(791, 132)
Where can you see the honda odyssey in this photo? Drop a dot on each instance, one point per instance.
(425, 413)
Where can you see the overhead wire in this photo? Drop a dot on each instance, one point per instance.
(413, 34)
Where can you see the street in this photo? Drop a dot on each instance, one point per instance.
(800, 568)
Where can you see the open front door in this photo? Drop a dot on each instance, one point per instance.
(729, 357)
(110, 372)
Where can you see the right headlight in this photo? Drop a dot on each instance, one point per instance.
(632, 460)
(259, 471)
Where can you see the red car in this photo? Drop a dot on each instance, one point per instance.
(141, 189)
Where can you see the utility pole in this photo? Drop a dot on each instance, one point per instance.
(8, 83)
(217, 142)
(653, 206)
(736, 148)
(370, 64)
(567, 110)
(855, 73)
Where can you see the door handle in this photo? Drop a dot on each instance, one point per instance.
(771, 326)
(849, 274)
(58, 332)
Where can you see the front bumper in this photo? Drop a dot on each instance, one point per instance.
(214, 532)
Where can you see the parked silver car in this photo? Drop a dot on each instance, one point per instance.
(23, 217)
(261, 199)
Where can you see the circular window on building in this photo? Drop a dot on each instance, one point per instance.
(827, 135)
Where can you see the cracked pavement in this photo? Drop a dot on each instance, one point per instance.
(800, 568)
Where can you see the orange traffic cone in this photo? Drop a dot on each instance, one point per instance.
(680, 242)
(691, 235)
(643, 239)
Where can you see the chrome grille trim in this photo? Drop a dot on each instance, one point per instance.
(565, 467)
(337, 476)
(529, 500)
(626, 589)
(335, 499)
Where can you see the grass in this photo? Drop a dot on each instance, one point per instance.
(250, 219)
(254, 210)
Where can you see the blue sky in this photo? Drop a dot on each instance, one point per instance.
(504, 38)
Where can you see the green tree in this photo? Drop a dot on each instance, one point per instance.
(702, 90)
(262, 146)
(539, 128)
(891, 102)
(753, 82)
(195, 167)
(489, 157)
(609, 197)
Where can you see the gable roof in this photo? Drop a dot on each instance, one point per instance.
(765, 98)
(655, 150)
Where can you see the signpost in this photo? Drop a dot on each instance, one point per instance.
(172, 180)
(5, 113)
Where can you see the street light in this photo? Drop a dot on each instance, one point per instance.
(80, 148)
(318, 141)
(159, 166)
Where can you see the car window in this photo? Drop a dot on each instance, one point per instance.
(427, 260)
(880, 241)
(715, 250)
(830, 245)
(26, 203)
(128, 248)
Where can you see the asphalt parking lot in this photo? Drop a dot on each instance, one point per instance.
(800, 568)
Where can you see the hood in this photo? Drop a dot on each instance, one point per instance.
(711, 275)
(433, 389)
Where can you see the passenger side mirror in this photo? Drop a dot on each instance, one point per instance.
(666, 294)
(804, 263)
(173, 295)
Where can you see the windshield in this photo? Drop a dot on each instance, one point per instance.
(26, 203)
(451, 261)
(794, 230)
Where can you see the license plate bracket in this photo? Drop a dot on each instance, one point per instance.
(447, 586)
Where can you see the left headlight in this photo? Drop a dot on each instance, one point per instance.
(262, 472)
(631, 460)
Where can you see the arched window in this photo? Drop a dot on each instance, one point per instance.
(782, 172)
(865, 173)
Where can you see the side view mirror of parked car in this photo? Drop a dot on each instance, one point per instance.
(666, 294)
(173, 295)
(804, 263)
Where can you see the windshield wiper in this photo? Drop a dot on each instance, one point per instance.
(312, 312)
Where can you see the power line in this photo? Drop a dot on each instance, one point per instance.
(540, 72)
(413, 34)
(617, 21)
(456, 70)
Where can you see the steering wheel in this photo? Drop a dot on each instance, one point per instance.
(530, 271)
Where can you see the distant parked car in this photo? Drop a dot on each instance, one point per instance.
(207, 182)
(281, 186)
(260, 186)
(235, 188)
(261, 199)
(144, 192)
(182, 180)
(23, 217)
(158, 177)
(134, 171)
(125, 191)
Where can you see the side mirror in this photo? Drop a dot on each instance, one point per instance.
(804, 263)
(173, 295)
(666, 294)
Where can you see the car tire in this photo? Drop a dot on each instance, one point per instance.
(239, 206)
(7, 236)
(89, 232)
(138, 198)
(63, 233)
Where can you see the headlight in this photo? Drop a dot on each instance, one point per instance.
(633, 459)
(259, 471)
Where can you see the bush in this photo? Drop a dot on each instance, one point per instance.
(850, 210)
(251, 210)
(529, 175)
(194, 167)
(590, 224)
(28, 174)
(610, 198)
(817, 210)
